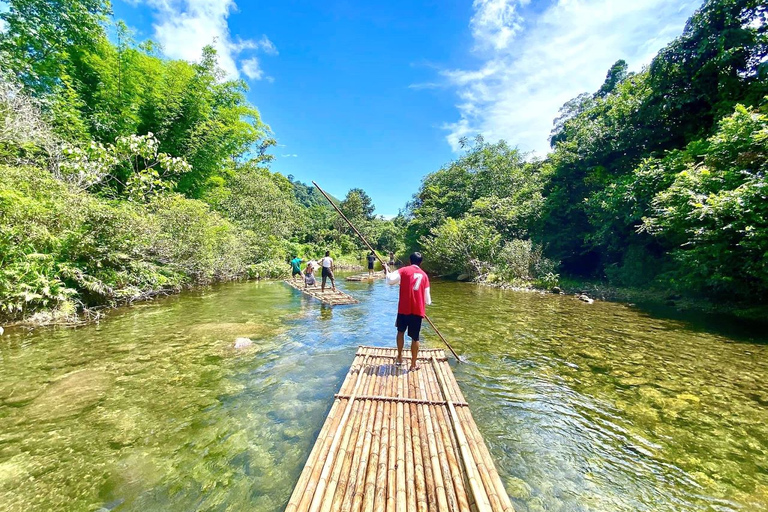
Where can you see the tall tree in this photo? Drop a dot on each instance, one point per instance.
(41, 34)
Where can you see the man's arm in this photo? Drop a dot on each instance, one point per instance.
(392, 277)
(427, 296)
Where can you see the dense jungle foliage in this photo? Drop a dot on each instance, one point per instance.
(124, 174)
(658, 179)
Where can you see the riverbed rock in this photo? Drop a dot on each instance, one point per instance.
(584, 298)
(70, 395)
(556, 290)
(463, 277)
(517, 488)
(243, 343)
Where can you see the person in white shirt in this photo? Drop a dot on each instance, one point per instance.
(327, 264)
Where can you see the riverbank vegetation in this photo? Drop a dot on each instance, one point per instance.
(124, 174)
(657, 180)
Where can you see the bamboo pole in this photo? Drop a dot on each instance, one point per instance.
(442, 441)
(400, 465)
(475, 483)
(326, 469)
(453, 472)
(492, 475)
(346, 491)
(344, 454)
(420, 487)
(365, 455)
(437, 474)
(305, 480)
(369, 490)
(380, 499)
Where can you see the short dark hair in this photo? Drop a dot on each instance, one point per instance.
(327, 253)
(416, 258)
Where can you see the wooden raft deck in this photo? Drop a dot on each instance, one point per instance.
(399, 441)
(366, 277)
(334, 298)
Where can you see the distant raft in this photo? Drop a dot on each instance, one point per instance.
(398, 440)
(366, 277)
(330, 297)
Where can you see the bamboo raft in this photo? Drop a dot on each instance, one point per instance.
(333, 298)
(398, 441)
(366, 277)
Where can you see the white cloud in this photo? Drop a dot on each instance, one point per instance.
(290, 155)
(184, 27)
(530, 68)
(252, 69)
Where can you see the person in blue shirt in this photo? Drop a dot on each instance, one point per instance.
(296, 267)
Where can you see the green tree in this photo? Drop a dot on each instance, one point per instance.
(40, 36)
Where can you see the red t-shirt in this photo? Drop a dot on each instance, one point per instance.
(413, 285)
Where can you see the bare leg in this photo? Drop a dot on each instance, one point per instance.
(333, 283)
(414, 354)
(322, 287)
(400, 344)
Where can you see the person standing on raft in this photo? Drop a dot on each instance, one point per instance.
(327, 272)
(296, 267)
(371, 261)
(414, 296)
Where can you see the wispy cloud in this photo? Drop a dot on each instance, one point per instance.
(532, 64)
(184, 27)
(251, 69)
(290, 155)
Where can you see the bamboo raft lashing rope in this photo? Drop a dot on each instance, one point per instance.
(396, 440)
(329, 296)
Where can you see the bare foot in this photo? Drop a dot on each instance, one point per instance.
(413, 368)
(399, 361)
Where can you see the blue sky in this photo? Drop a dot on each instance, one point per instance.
(376, 94)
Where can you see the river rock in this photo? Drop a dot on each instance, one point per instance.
(517, 488)
(463, 277)
(584, 298)
(556, 290)
(243, 342)
(70, 395)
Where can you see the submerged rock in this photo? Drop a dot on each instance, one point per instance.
(463, 277)
(243, 342)
(584, 298)
(70, 395)
(517, 488)
(556, 290)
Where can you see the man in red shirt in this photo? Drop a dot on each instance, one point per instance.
(414, 295)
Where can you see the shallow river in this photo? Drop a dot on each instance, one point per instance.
(598, 407)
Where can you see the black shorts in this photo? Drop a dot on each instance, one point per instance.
(370, 266)
(296, 273)
(410, 322)
(327, 273)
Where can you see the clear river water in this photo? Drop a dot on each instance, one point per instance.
(601, 407)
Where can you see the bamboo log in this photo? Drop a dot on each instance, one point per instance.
(380, 499)
(455, 473)
(346, 488)
(369, 490)
(318, 452)
(340, 471)
(398, 399)
(326, 469)
(470, 466)
(400, 465)
(437, 474)
(362, 467)
(442, 440)
(490, 474)
(419, 484)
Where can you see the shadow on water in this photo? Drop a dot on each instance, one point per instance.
(598, 407)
